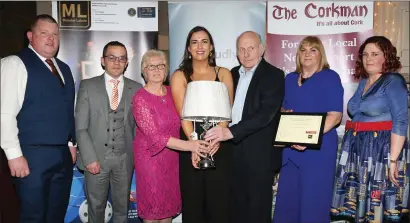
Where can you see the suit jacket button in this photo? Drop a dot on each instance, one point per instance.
(113, 139)
(105, 144)
(112, 148)
(113, 130)
(108, 130)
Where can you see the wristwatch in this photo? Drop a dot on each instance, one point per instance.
(393, 161)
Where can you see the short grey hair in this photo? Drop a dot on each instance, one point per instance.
(249, 32)
(154, 53)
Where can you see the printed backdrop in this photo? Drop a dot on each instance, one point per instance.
(85, 28)
(342, 27)
(224, 20)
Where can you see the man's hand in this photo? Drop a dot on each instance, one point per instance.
(93, 168)
(19, 167)
(73, 151)
(218, 134)
(214, 148)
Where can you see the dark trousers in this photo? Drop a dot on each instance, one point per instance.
(252, 192)
(44, 194)
(9, 208)
(205, 193)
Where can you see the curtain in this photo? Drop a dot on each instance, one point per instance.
(388, 22)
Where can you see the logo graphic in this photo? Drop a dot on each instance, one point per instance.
(132, 12)
(74, 14)
(146, 12)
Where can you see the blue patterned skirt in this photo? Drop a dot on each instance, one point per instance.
(363, 191)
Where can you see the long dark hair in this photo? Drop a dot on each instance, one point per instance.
(186, 64)
(391, 63)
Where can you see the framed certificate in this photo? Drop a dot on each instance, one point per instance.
(305, 129)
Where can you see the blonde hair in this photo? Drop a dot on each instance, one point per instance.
(154, 53)
(314, 42)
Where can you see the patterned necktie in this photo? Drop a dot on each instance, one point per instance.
(114, 96)
(54, 71)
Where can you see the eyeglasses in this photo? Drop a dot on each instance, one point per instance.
(112, 58)
(153, 67)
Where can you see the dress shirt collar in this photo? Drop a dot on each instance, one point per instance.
(107, 78)
(251, 71)
(41, 57)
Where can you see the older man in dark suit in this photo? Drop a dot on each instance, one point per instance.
(259, 92)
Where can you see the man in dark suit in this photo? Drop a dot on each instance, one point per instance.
(259, 92)
(37, 124)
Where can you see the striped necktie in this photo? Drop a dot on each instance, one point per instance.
(114, 96)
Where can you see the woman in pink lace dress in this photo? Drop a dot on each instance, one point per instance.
(157, 138)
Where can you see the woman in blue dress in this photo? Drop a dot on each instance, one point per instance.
(371, 182)
(307, 175)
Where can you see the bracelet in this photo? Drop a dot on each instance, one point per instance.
(393, 161)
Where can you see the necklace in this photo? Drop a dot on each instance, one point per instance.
(161, 93)
(304, 79)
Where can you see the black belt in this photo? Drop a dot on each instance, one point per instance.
(48, 145)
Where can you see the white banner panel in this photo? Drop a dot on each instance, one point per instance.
(108, 16)
(224, 20)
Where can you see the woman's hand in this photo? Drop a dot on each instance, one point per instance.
(286, 110)
(394, 173)
(300, 148)
(198, 147)
(195, 159)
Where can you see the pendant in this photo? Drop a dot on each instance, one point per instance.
(163, 100)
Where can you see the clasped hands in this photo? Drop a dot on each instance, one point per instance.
(210, 148)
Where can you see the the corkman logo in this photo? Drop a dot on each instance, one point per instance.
(313, 11)
(74, 14)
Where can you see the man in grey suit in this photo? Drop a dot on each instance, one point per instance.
(105, 129)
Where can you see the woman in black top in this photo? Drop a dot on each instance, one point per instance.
(205, 193)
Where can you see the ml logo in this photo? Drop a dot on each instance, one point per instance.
(74, 14)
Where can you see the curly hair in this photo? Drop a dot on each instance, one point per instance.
(391, 64)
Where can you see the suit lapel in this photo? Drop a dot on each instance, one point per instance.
(102, 92)
(126, 96)
(235, 77)
(252, 86)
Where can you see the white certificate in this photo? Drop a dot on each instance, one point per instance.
(305, 129)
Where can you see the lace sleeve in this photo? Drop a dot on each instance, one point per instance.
(148, 124)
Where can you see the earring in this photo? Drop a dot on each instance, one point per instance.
(210, 54)
(189, 56)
